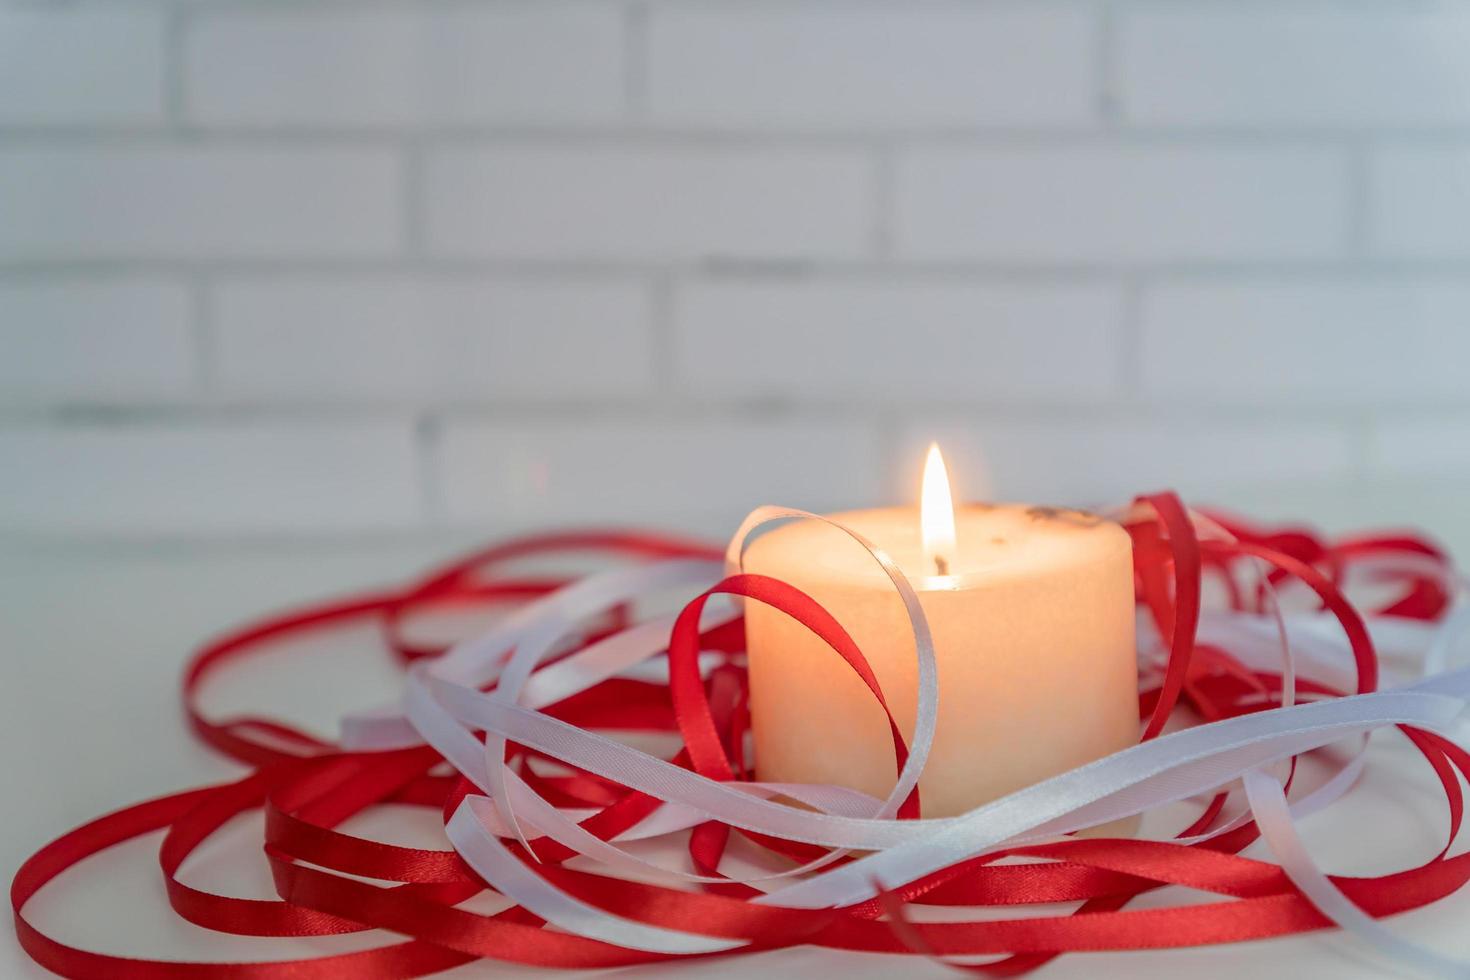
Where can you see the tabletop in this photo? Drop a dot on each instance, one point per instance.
(94, 637)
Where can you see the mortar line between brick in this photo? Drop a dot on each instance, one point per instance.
(175, 32)
(206, 349)
(1358, 190)
(635, 60)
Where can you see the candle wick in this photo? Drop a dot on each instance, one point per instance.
(941, 565)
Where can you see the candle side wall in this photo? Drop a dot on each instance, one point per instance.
(1037, 675)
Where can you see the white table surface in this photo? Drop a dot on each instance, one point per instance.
(93, 639)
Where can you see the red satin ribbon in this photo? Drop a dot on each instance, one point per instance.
(307, 787)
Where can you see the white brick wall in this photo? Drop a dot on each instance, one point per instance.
(230, 478)
(1298, 65)
(1419, 202)
(812, 66)
(70, 340)
(1110, 203)
(409, 67)
(899, 342)
(344, 339)
(1365, 342)
(446, 267)
(97, 66)
(186, 202)
(657, 202)
(689, 473)
(1108, 461)
(1430, 448)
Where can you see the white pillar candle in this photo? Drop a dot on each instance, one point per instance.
(1031, 610)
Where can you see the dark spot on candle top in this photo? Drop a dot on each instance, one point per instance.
(997, 540)
(1077, 518)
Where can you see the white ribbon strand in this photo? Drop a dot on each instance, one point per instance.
(444, 704)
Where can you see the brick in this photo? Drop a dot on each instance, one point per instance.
(1090, 462)
(1419, 447)
(95, 341)
(928, 64)
(69, 65)
(704, 475)
(1339, 341)
(175, 202)
(1121, 203)
(646, 202)
(1294, 64)
(1419, 202)
(373, 339)
(901, 342)
(197, 478)
(426, 65)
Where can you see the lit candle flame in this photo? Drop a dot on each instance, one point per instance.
(936, 513)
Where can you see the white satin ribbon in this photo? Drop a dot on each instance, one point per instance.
(443, 706)
(478, 660)
(1274, 818)
(428, 690)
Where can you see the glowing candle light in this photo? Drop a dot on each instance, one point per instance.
(1031, 609)
(936, 513)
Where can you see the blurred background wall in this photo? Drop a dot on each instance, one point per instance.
(305, 270)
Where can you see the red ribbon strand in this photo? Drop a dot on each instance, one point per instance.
(307, 787)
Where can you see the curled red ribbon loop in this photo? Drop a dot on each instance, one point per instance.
(308, 786)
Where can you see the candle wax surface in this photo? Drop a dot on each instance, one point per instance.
(996, 542)
(1033, 633)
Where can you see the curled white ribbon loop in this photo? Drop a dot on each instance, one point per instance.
(444, 706)
(1268, 803)
(431, 690)
(926, 710)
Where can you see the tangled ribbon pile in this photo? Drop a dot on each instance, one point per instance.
(519, 714)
